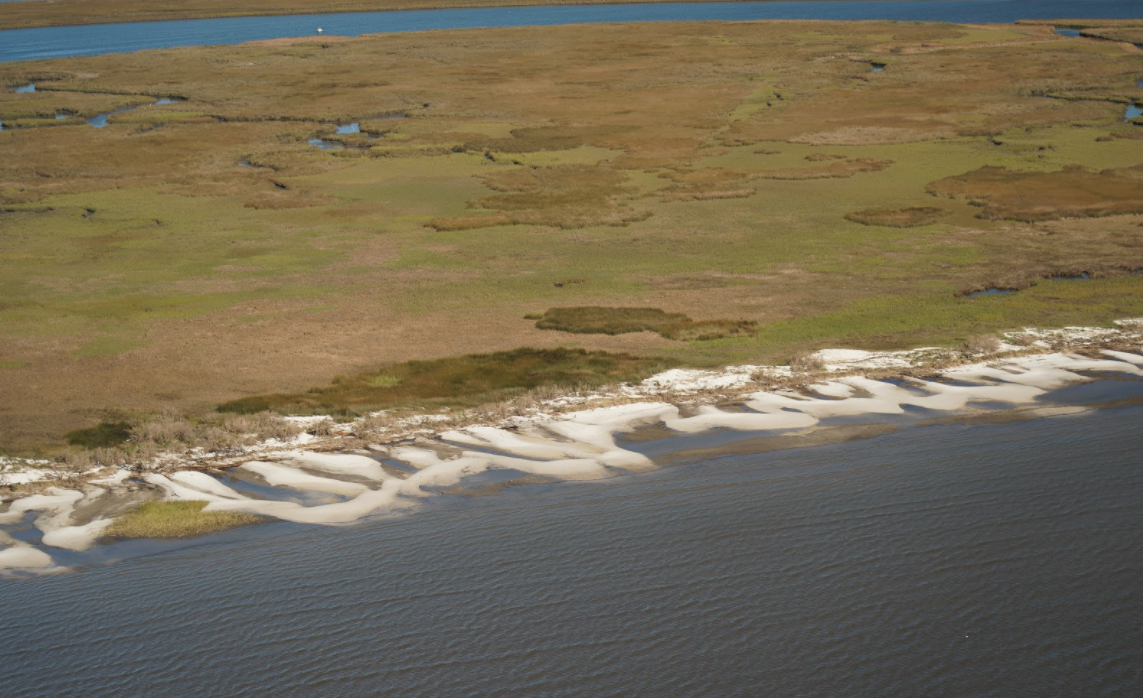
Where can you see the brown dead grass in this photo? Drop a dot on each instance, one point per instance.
(1039, 196)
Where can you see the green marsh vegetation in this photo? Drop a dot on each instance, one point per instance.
(751, 172)
(176, 520)
(603, 320)
(456, 381)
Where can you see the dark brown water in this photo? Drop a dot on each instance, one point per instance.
(957, 560)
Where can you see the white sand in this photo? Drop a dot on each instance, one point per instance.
(56, 506)
(77, 537)
(16, 555)
(204, 483)
(366, 503)
(178, 492)
(340, 464)
(279, 475)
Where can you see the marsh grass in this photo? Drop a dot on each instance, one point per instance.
(1072, 192)
(651, 157)
(898, 218)
(613, 321)
(176, 520)
(461, 380)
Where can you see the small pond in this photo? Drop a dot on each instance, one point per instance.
(991, 292)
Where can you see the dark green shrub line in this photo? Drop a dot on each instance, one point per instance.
(677, 326)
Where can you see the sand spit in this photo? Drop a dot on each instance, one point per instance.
(565, 440)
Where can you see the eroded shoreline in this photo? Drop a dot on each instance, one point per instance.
(334, 480)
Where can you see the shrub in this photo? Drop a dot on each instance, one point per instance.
(806, 361)
(982, 344)
(103, 435)
(613, 321)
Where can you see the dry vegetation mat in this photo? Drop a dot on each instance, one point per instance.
(754, 184)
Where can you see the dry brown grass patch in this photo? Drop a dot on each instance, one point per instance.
(1072, 192)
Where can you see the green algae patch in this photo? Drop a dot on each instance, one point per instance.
(176, 520)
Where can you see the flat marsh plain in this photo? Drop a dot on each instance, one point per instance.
(756, 174)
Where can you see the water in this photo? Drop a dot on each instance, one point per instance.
(956, 560)
(30, 87)
(1072, 33)
(56, 42)
(991, 292)
(324, 144)
(1133, 111)
(100, 120)
(333, 145)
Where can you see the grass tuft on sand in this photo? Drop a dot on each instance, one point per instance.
(176, 520)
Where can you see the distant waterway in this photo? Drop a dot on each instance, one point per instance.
(96, 39)
(958, 559)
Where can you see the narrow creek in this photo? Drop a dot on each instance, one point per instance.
(100, 120)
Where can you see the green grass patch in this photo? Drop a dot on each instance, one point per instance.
(600, 320)
(469, 379)
(176, 520)
(103, 435)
